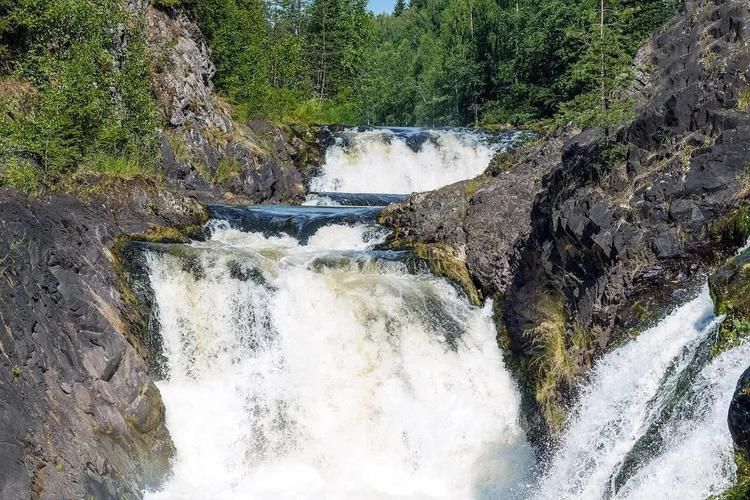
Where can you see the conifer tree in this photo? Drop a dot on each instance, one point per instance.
(399, 8)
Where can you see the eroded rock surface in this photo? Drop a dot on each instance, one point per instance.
(79, 415)
(203, 149)
(622, 218)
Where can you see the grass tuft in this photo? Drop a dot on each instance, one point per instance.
(552, 364)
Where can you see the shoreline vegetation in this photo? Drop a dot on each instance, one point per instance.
(76, 81)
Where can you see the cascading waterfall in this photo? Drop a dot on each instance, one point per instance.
(303, 361)
(406, 160)
(328, 370)
(652, 421)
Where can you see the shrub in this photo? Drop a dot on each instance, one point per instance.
(21, 176)
(91, 91)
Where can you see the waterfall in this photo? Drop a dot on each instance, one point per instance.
(651, 422)
(305, 361)
(328, 369)
(406, 160)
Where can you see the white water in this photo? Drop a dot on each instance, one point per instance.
(697, 458)
(628, 390)
(333, 384)
(318, 371)
(381, 161)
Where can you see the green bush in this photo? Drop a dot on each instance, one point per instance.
(21, 176)
(91, 92)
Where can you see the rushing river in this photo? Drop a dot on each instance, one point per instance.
(302, 361)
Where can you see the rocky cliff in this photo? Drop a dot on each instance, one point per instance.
(605, 227)
(203, 150)
(79, 415)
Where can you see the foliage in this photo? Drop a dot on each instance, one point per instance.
(21, 176)
(435, 62)
(741, 488)
(88, 90)
(467, 61)
(278, 57)
(75, 87)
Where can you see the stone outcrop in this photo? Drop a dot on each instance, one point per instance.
(730, 290)
(79, 415)
(739, 414)
(622, 219)
(203, 149)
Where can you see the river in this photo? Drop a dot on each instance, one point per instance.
(303, 361)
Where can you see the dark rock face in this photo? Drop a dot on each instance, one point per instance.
(620, 220)
(739, 414)
(203, 150)
(483, 218)
(631, 217)
(79, 414)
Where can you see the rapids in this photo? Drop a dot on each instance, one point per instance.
(304, 361)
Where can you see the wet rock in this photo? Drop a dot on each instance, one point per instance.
(739, 414)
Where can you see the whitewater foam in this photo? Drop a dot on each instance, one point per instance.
(383, 161)
(627, 392)
(329, 383)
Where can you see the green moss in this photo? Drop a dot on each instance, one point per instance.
(730, 291)
(471, 186)
(443, 261)
(609, 156)
(228, 169)
(741, 488)
(743, 104)
(731, 334)
(734, 230)
(161, 234)
(551, 364)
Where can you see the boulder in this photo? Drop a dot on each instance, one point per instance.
(739, 414)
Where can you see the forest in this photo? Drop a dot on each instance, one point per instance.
(432, 62)
(66, 101)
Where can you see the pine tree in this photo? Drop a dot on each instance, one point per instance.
(399, 8)
(339, 33)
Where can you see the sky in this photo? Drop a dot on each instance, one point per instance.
(380, 6)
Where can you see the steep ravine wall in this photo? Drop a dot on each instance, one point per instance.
(581, 239)
(80, 416)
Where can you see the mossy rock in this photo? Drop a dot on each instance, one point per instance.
(730, 286)
(730, 291)
(732, 231)
(443, 261)
(171, 235)
(741, 488)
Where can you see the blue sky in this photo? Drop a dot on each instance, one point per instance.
(379, 6)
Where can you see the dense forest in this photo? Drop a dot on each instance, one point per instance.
(65, 100)
(434, 62)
